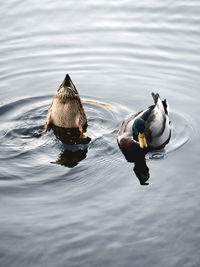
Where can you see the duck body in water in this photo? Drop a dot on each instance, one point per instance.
(66, 110)
(145, 131)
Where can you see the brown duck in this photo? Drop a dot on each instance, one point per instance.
(66, 109)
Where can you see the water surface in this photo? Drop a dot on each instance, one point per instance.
(84, 206)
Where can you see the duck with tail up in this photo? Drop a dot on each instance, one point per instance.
(145, 131)
(66, 110)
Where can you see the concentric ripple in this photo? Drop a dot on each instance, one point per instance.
(23, 146)
(181, 133)
(22, 123)
(80, 205)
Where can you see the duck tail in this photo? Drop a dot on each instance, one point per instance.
(68, 83)
(166, 106)
(155, 97)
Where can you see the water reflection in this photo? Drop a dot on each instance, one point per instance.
(70, 159)
(139, 159)
(71, 156)
(142, 171)
(135, 155)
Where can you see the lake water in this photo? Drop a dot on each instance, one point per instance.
(83, 205)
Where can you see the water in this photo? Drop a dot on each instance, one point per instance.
(84, 206)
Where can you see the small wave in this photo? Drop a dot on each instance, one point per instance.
(23, 122)
(156, 155)
(181, 132)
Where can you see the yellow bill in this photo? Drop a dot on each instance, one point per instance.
(142, 140)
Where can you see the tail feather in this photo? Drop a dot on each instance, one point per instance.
(155, 97)
(68, 83)
(166, 106)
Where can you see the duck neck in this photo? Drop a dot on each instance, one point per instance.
(135, 136)
(138, 127)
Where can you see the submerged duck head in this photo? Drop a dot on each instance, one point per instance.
(138, 132)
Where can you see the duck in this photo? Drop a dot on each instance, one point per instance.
(147, 130)
(66, 110)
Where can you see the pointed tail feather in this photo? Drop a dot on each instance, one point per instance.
(155, 97)
(68, 83)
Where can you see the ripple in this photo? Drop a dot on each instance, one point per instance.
(20, 137)
(157, 155)
(181, 134)
(74, 197)
(23, 122)
(182, 131)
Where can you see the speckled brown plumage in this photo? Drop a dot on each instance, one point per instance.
(66, 109)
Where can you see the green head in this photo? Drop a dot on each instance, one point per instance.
(138, 132)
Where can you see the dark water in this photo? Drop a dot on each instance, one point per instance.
(83, 205)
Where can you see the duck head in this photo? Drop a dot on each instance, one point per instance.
(138, 132)
(67, 89)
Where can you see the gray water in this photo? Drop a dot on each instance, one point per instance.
(60, 207)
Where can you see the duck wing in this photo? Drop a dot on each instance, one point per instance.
(126, 128)
(157, 124)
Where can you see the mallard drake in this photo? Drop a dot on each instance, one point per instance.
(147, 130)
(66, 110)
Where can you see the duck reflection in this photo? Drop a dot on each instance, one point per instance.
(76, 150)
(70, 158)
(140, 167)
(142, 171)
